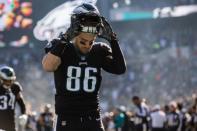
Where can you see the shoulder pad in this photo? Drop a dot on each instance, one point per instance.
(17, 86)
(54, 43)
(51, 43)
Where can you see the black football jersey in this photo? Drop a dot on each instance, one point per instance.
(78, 79)
(7, 104)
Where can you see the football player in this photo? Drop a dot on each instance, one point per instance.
(45, 119)
(173, 118)
(76, 60)
(10, 93)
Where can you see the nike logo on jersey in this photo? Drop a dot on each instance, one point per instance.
(83, 63)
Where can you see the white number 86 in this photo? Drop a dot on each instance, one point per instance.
(74, 75)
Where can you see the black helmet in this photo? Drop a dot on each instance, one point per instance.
(87, 17)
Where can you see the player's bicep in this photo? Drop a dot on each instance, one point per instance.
(19, 96)
(107, 58)
(112, 65)
(50, 62)
(108, 63)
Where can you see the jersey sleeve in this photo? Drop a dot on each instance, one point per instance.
(49, 46)
(56, 47)
(113, 60)
(105, 50)
(16, 88)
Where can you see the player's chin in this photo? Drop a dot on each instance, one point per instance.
(85, 51)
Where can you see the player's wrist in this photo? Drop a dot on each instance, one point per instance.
(23, 119)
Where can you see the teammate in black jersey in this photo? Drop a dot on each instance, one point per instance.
(76, 60)
(10, 93)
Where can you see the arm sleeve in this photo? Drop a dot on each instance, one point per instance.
(22, 105)
(114, 62)
(17, 88)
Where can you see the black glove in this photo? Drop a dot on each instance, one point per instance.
(106, 31)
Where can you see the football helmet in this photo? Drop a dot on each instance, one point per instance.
(86, 18)
(7, 75)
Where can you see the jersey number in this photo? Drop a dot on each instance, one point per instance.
(74, 75)
(4, 102)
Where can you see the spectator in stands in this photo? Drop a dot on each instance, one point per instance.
(158, 119)
(141, 120)
(173, 120)
(46, 119)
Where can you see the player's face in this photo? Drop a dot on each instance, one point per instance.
(84, 42)
(7, 83)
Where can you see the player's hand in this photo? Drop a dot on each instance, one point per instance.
(106, 31)
(23, 119)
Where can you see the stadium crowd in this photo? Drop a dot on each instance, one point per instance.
(172, 116)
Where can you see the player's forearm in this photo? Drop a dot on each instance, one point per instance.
(22, 105)
(118, 58)
(50, 62)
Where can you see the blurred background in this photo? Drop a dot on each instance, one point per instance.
(158, 39)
